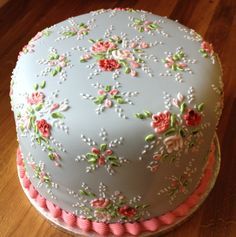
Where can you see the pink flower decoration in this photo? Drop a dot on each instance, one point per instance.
(108, 64)
(169, 62)
(86, 56)
(101, 160)
(108, 152)
(54, 106)
(108, 103)
(161, 121)
(134, 64)
(95, 150)
(44, 128)
(114, 92)
(133, 45)
(35, 98)
(207, 47)
(173, 143)
(99, 203)
(133, 73)
(101, 92)
(103, 46)
(192, 118)
(144, 45)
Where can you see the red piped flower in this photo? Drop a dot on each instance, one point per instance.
(192, 118)
(161, 121)
(207, 47)
(127, 211)
(44, 128)
(108, 64)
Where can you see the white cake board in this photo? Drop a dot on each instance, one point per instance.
(59, 223)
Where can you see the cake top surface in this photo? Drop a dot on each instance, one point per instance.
(113, 93)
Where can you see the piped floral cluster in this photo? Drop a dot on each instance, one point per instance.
(110, 96)
(55, 64)
(39, 116)
(107, 208)
(102, 155)
(145, 25)
(175, 132)
(207, 51)
(176, 64)
(76, 29)
(175, 61)
(111, 55)
(179, 184)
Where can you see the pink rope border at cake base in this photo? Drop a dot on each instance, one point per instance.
(118, 229)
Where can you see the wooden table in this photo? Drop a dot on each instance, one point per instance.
(214, 19)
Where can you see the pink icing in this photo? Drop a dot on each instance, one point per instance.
(84, 224)
(151, 225)
(119, 229)
(69, 218)
(54, 209)
(41, 201)
(167, 218)
(101, 228)
(133, 228)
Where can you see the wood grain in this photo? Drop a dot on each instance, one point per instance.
(214, 19)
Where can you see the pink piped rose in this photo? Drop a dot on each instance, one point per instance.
(36, 98)
(173, 143)
(108, 64)
(100, 203)
(44, 128)
(192, 118)
(161, 121)
(103, 46)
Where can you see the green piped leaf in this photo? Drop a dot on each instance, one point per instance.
(36, 86)
(83, 192)
(107, 88)
(172, 120)
(69, 33)
(103, 147)
(54, 72)
(100, 99)
(57, 115)
(170, 132)
(127, 70)
(120, 101)
(92, 41)
(150, 138)
(43, 84)
(183, 106)
(39, 107)
(111, 158)
(200, 107)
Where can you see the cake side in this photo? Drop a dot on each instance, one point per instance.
(103, 109)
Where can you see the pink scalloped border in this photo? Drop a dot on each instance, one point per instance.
(118, 229)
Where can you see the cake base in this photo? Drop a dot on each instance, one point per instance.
(155, 226)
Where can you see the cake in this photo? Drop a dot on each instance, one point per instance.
(116, 112)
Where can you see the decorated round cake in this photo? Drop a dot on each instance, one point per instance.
(116, 112)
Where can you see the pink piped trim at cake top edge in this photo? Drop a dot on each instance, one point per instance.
(118, 229)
